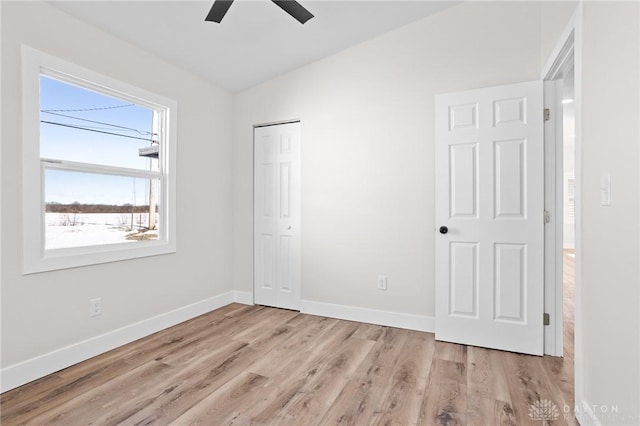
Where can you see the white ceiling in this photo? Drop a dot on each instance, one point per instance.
(256, 40)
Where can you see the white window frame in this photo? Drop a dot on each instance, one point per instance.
(35, 258)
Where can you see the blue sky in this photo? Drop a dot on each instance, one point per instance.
(67, 104)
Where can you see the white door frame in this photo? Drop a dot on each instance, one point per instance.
(568, 48)
(553, 139)
(553, 205)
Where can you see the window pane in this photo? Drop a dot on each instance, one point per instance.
(86, 209)
(80, 125)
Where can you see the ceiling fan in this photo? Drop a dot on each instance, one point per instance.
(292, 7)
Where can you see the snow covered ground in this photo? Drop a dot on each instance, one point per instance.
(87, 229)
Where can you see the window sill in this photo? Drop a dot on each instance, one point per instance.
(57, 259)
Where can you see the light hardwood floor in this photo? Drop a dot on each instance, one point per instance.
(257, 365)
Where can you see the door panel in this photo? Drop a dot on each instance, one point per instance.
(464, 180)
(267, 190)
(464, 279)
(509, 163)
(277, 215)
(284, 255)
(285, 182)
(510, 286)
(489, 194)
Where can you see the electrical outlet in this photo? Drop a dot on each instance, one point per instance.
(382, 282)
(95, 307)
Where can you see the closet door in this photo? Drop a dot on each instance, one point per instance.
(277, 215)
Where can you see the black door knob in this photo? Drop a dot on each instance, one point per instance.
(444, 229)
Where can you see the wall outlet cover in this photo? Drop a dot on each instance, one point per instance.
(382, 282)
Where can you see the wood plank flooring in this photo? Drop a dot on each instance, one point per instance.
(258, 365)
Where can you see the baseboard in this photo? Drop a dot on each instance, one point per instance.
(40, 366)
(24, 372)
(244, 297)
(371, 316)
(585, 415)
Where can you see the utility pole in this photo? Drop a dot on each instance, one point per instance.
(152, 204)
(133, 206)
(152, 152)
(152, 182)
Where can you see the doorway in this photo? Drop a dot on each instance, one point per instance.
(561, 183)
(562, 86)
(561, 235)
(277, 215)
(560, 206)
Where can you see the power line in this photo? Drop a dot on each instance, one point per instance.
(97, 131)
(87, 109)
(98, 122)
(95, 127)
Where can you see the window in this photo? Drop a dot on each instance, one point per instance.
(98, 167)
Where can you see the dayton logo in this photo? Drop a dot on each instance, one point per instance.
(543, 410)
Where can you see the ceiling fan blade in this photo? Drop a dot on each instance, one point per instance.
(218, 10)
(294, 9)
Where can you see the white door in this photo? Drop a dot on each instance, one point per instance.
(489, 217)
(277, 215)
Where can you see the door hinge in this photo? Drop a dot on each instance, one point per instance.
(547, 114)
(546, 217)
(546, 320)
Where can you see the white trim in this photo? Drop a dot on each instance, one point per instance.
(277, 123)
(244, 297)
(40, 366)
(563, 48)
(585, 415)
(553, 63)
(35, 258)
(578, 347)
(26, 371)
(74, 166)
(370, 316)
(1, 194)
(560, 59)
(553, 235)
(75, 75)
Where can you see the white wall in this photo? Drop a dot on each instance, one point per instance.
(367, 149)
(367, 158)
(610, 235)
(48, 311)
